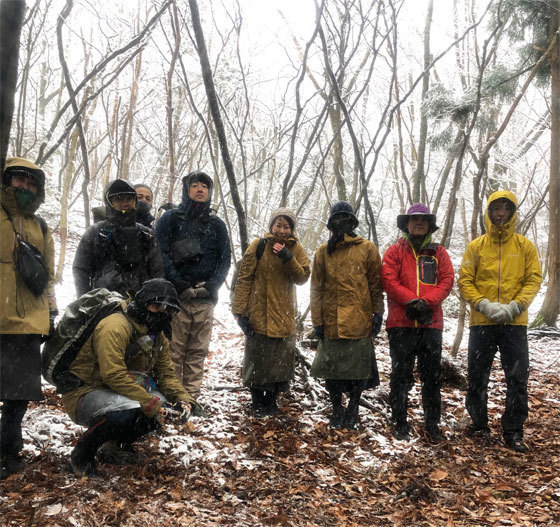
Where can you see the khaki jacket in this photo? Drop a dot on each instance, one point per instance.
(346, 289)
(265, 289)
(501, 266)
(21, 312)
(100, 364)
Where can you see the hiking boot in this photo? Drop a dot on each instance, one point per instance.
(434, 433)
(337, 416)
(10, 465)
(82, 462)
(478, 431)
(118, 454)
(515, 442)
(402, 432)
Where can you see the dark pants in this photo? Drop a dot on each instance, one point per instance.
(484, 342)
(11, 440)
(405, 344)
(122, 426)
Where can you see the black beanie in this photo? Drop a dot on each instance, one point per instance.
(157, 291)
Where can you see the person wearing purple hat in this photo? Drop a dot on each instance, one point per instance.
(417, 276)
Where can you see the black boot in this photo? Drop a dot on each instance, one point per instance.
(335, 395)
(10, 463)
(258, 403)
(82, 458)
(270, 405)
(402, 431)
(351, 415)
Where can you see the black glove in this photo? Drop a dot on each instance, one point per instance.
(319, 332)
(245, 325)
(419, 310)
(285, 254)
(376, 324)
(53, 313)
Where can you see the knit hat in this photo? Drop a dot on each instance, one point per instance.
(119, 186)
(418, 209)
(286, 213)
(157, 291)
(342, 207)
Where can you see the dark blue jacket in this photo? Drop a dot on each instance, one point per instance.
(193, 220)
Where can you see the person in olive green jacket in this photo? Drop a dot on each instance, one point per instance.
(346, 311)
(25, 316)
(500, 276)
(128, 378)
(264, 304)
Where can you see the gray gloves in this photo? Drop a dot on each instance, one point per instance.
(500, 313)
(194, 292)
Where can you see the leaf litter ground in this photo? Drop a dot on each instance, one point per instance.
(292, 470)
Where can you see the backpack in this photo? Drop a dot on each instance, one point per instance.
(260, 250)
(76, 326)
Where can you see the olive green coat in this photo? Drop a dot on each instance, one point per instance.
(346, 288)
(265, 289)
(21, 312)
(100, 364)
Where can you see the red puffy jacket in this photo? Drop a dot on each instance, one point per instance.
(407, 275)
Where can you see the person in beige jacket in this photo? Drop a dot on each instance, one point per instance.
(25, 315)
(264, 304)
(346, 311)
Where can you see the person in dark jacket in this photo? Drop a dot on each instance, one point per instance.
(144, 206)
(24, 315)
(196, 255)
(417, 276)
(129, 386)
(346, 312)
(117, 253)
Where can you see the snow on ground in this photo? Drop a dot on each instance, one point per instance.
(214, 439)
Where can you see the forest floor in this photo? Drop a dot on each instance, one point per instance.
(292, 469)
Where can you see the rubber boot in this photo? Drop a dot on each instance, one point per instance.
(351, 415)
(258, 403)
(270, 404)
(337, 416)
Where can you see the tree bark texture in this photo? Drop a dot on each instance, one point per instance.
(218, 123)
(11, 20)
(551, 305)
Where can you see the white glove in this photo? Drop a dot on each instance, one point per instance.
(494, 311)
(503, 314)
(515, 308)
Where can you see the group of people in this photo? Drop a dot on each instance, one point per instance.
(144, 362)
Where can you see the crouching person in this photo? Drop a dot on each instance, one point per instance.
(128, 379)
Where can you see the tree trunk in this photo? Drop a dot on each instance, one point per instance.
(419, 175)
(218, 123)
(11, 20)
(551, 305)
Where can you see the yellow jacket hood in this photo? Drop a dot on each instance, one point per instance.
(504, 231)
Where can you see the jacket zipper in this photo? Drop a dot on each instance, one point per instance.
(499, 263)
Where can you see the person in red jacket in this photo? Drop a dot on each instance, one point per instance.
(417, 276)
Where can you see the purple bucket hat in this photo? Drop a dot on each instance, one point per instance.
(418, 209)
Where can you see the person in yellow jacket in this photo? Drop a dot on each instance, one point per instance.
(264, 304)
(128, 379)
(346, 311)
(499, 278)
(25, 315)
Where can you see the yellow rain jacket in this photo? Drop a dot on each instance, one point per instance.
(501, 266)
(346, 288)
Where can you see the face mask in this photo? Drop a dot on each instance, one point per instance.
(157, 322)
(343, 225)
(24, 197)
